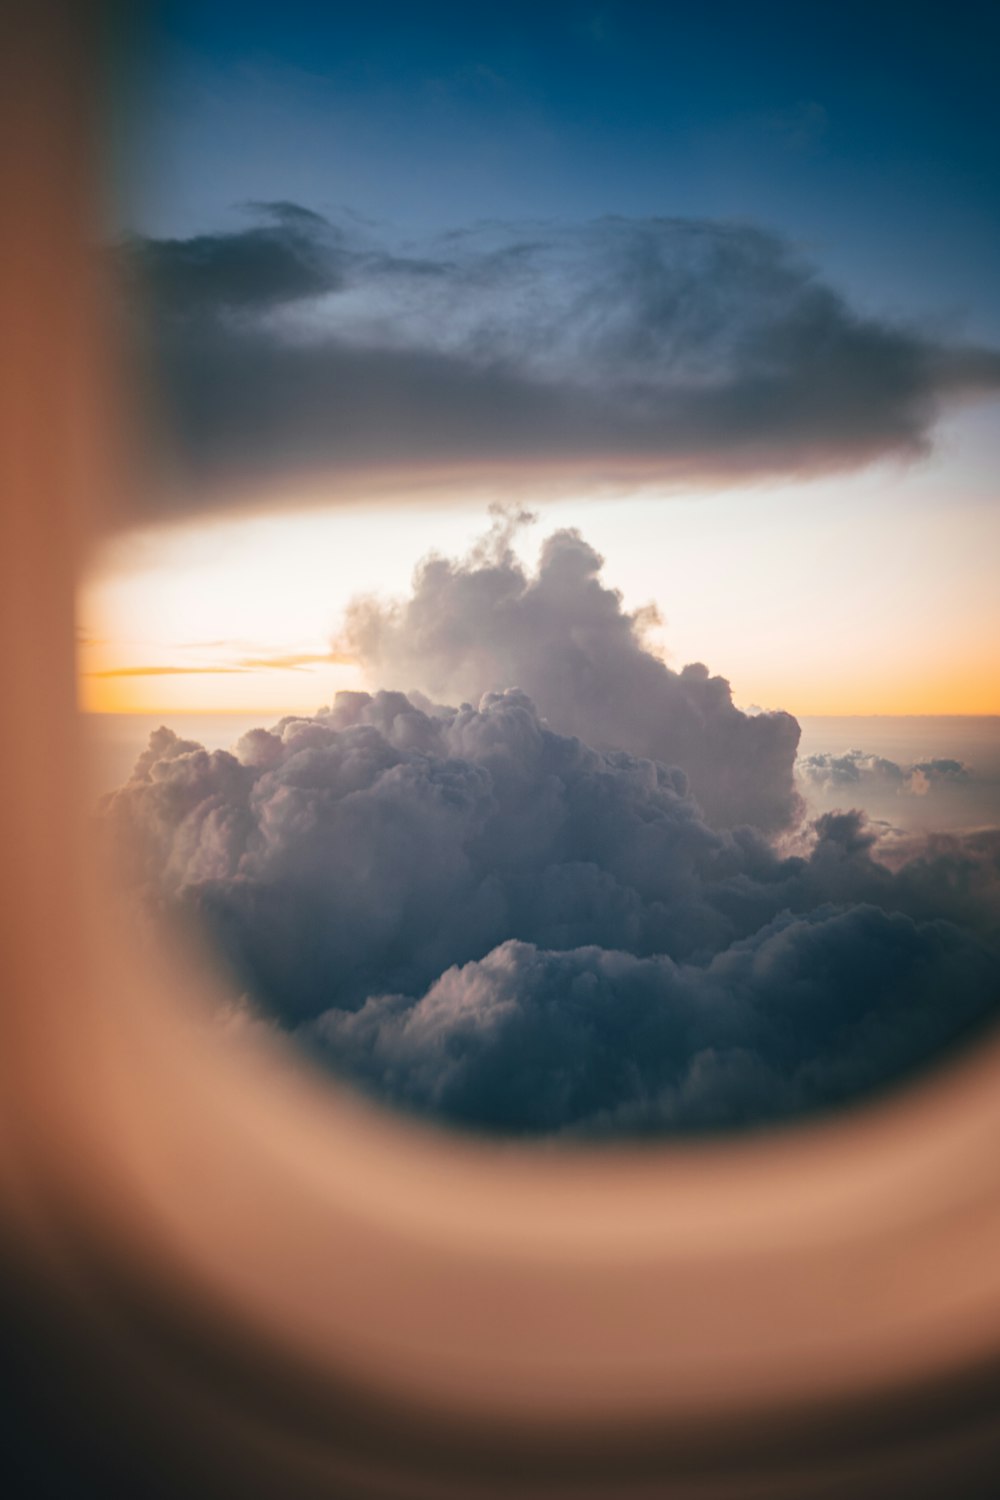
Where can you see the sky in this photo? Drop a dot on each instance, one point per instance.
(548, 412)
(717, 288)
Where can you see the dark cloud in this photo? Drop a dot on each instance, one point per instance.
(497, 924)
(291, 256)
(808, 1010)
(563, 636)
(666, 348)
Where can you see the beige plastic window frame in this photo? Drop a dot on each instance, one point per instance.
(234, 1280)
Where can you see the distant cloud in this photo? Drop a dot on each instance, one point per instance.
(800, 127)
(163, 671)
(855, 771)
(660, 348)
(297, 661)
(292, 661)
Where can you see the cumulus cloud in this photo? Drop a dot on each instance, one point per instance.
(584, 900)
(855, 772)
(487, 920)
(809, 1009)
(663, 347)
(563, 636)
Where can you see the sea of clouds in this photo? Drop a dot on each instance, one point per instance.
(590, 899)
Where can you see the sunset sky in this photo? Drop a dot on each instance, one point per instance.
(562, 424)
(717, 289)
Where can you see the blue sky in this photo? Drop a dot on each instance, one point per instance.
(869, 134)
(715, 284)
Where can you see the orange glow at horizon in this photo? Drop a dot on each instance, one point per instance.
(864, 595)
(198, 691)
(149, 696)
(272, 688)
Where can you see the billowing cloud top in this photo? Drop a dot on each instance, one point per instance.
(659, 347)
(478, 914)
(563, 636)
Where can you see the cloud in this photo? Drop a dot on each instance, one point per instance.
(291, 255)
(560, 634)
(657, 348)
(799, 128)
(296, 661)
(292, 661)
(857, 772)
(483, 919)
(585, 899)
(589, 1041)
(163, 671)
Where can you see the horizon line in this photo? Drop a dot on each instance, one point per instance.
(285, 710)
